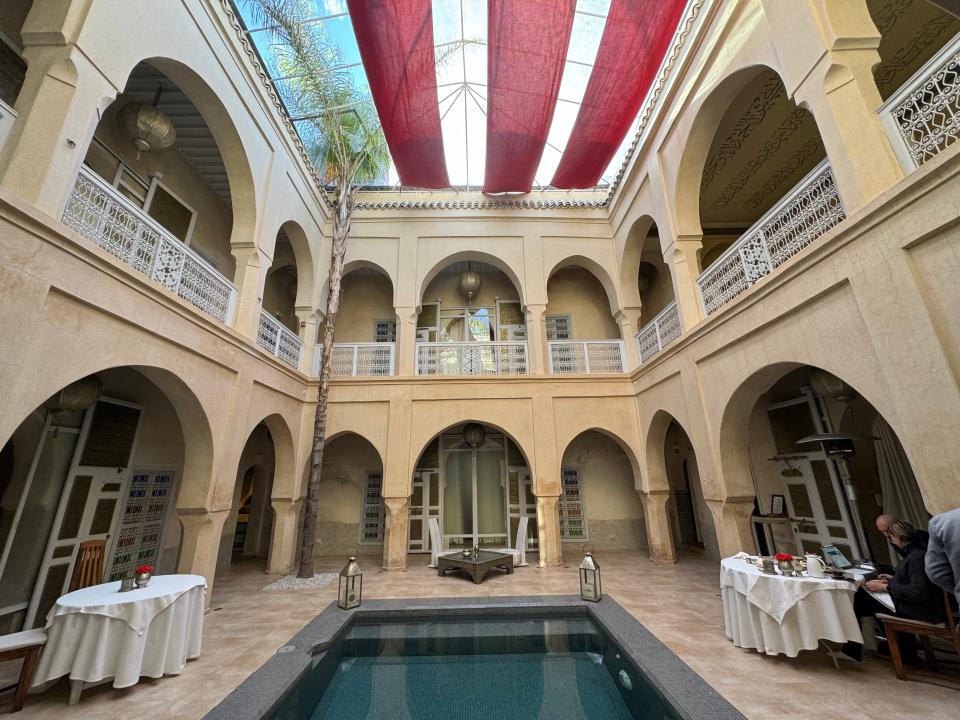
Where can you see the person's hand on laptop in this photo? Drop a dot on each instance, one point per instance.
(878, 585)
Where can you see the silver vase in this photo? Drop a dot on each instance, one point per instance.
(142, 579)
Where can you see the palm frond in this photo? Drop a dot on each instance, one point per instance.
(343, 133)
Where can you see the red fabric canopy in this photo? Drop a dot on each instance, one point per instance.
(635, 39)
(395, 38)
(527, 45)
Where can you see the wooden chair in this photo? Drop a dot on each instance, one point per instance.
(947, 631)
(26, 645)
(88, 568)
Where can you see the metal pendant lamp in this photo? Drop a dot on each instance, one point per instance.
(147, 127)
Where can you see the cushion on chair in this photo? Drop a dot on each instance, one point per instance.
(911, 621)
(25, 639)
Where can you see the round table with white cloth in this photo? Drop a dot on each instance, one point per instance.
(780, 615)
(99, 632)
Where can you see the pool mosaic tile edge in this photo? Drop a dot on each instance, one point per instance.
(257, 697)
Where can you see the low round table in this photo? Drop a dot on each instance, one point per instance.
(99, 632)
(780, 615)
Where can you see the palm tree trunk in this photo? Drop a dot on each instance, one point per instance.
(341, 232)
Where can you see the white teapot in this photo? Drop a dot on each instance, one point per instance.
(816, 567)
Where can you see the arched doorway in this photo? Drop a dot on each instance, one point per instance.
(471, 322)
(475, 482)
(350, 517)
(599, 502)
(692, 523)
(823, 461)
(247, 530)
(102, 459)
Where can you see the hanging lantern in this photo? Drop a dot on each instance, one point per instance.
(78, 395)
(590, 579)
(827, 385)
(351, 585)
(147, 127)
(474, 434)
(470, 284)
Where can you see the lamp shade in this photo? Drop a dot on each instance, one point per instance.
(470, 284)
(474, 434)
(147, 127)
(78, 395)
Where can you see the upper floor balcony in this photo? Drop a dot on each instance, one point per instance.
(587, 357)
(923, 116)
(103, 215)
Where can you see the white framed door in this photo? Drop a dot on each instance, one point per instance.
(424, 504)
(91, 499)
(521, 501)
(817, 511)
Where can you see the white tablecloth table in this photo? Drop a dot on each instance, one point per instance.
(98, 632)
(780, 615)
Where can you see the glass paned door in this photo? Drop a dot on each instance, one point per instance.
(88, 505)
(424, 504)
(816, 508)
(474, 498)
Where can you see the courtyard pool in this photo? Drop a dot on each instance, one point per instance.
(483, 659)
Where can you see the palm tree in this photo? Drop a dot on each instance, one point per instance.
(348, 148)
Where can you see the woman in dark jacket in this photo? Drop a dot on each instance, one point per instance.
(914, 595)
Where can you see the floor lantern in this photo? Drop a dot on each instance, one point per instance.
(590, 579)
(351, 585)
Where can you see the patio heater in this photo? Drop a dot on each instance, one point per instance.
(838, 447)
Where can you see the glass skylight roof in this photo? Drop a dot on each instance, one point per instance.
(460, 35)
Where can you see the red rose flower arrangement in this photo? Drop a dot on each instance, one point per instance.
(144, 569)
(783, 556)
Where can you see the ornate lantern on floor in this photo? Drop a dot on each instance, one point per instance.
(590, 579)
(351, 585)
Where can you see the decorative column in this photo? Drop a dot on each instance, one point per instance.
(657, 520)
(250, 276)
(681, 256)
(396, 532)
(309, 324)
(627, 319)
(58, 107)
(731, 519)
(283, 541)
(548, 531)
(538, 361)
(200, 542)
(406, 351)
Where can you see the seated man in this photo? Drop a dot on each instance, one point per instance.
(913, 595)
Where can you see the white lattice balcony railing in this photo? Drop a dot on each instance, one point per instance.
(473, 358)
(659, 332)
(279, 340)
(923, 116)
(358, 359)
(806, 212)
(587, 357)
(102, 215)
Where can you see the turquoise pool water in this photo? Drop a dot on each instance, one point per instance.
(556, 669)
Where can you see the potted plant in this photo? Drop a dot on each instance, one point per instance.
(785, 563)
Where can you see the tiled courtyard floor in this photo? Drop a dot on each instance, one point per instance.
(680, 604)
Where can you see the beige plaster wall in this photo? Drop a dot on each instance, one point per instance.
(613, 508)
(578, 293)
(346, 462)
(366, 299)
(214, 220)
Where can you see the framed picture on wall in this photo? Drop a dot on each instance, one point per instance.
(778, 505)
